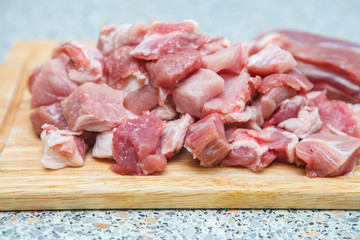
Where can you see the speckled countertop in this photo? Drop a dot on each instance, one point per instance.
(240, 21)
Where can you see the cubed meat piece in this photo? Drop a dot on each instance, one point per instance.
(270, 60)
(120, 66)
(136, 146)
(193, 92)
(143, 99)
(50, 114)
(62, 148)
(51, 84)
(163, 38)
(227, 60)
(94, 107)
(246, 151)
(328, 155)
(103, 145)
(206, 140)
(170, 68)
(214, 45)
(173, 136)
(165, 112)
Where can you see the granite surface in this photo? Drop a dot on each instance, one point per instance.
(240, 21)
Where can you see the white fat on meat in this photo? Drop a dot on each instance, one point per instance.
(103, 145)
(173, 136)
(62, 148)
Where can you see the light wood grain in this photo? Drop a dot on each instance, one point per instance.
(26, 185)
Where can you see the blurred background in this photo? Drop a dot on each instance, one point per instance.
(239, 20)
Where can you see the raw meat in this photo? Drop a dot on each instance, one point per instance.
(84, 63)
(229, 60)
(270, 60)
(51, 84)
(143, 99)
(136, 146)
(329, 155)
(94, 107)
(193, 92)
(214, 45)
(173, 136)
(50, 114)
(103, 145)
(206, 140)
(62, 148)
(170, 68)
(169, 37)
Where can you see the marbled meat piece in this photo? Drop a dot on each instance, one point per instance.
(271, 60)
(120, 66)
(62, 148)
(170, 68)
(51, 84)
(193, 92)
(206, 140)
(136, 146)
(328, 155)
(229, 60)
(169, 37)
(246, 151)
(84, 63)
(173, 136)
(94, 107)
(103, 145)
(50, 114)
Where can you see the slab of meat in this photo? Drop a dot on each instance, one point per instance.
(94, 107)
(329, 155)
(229, 60)
(206, 140)
(84, 63)
(270, 60)
(170, 68)
(51, 84)
(50, 114)
(103, 145)
(169, 37)
(193, 92)
(120, 66)
(62, 148)
(136, 146)
(246, 151)
(173, 136)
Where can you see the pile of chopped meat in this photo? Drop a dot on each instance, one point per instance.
(151, 88)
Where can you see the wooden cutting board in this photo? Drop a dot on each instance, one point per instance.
(26, 185)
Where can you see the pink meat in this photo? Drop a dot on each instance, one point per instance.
(170, 68)
(94, 107)
(32, 76)
(173, 136)
(328, 155)
(136, 146)
(248, 152)
(103, 145)
(113, 36)
(51, 84)
(280, 141)
(85, 64)
(214, 45)
(206, 140)
(144, 99)
(120, 66)
(193, 92)
(165, 112)
(50, 114)
(337, 86)
(270, 60)
(338, 115)
(169, 37)
(230, 60)
(62, 148)
(236, 93)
